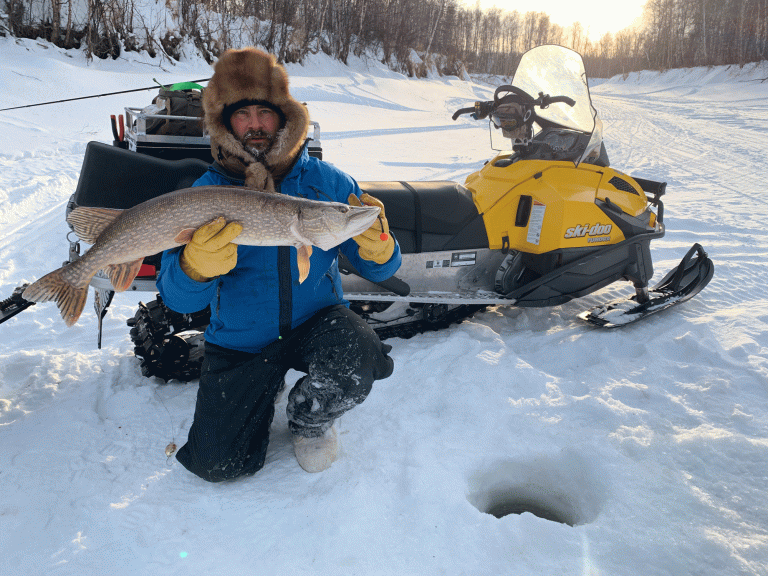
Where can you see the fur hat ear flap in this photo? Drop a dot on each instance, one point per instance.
(280, 85)
(243, 75)
(290, 139)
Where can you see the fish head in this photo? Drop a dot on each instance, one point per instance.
(334, 222)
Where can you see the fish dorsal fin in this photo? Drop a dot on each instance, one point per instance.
(90, 222)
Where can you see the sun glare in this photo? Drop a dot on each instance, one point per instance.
(600, 16)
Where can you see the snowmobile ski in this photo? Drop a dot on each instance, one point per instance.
(682, 283)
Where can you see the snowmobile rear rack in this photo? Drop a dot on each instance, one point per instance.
(139, 138)
(167, 146)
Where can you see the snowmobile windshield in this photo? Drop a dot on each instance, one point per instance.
(558, 71)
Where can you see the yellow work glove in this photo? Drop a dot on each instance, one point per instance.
(376, 243)
(211, 253)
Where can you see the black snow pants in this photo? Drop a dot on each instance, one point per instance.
(341, 356)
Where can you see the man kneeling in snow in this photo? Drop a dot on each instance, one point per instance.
(263, 320)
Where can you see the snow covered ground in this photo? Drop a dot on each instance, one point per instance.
(651, 440)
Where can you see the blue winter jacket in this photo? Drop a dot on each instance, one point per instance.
(261, 298)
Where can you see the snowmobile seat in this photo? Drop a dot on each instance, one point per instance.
(430, 216)
(113, 177)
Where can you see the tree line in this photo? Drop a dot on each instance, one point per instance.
(411, 36)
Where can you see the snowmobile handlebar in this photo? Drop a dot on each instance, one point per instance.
(482, 110)
(555, 99)
(515, 94)
(477, 111)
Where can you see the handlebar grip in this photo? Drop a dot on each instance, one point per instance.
(463, 111)
(555, 99)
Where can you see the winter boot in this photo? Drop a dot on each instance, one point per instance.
(317, 454)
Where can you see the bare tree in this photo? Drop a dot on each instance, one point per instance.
(577, 36)
(433, 27)
(530, 24)
(542, 31)
(676, 32)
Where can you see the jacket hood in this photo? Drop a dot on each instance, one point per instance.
(248, 75)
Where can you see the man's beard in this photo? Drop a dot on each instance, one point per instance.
(260, 151)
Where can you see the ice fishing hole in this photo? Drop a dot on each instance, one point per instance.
(511, 503)
(561, 488)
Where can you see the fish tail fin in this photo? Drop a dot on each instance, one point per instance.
(53, 286)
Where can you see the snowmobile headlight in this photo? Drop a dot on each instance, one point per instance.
(513, 120)
(561, 141)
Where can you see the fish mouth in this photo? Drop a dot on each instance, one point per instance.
(348, 222)
(360, 218)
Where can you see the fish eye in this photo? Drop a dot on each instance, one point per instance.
(343, 209)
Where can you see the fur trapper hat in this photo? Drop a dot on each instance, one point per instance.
(250, 76)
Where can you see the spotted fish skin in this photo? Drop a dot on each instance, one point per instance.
(121, 239)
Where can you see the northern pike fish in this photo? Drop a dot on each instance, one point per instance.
(121, 239)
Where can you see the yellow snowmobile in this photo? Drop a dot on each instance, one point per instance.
(545, 221)
(540, 224)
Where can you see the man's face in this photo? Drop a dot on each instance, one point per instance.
(256, 127)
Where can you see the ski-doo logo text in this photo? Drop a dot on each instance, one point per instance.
(586, 230)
